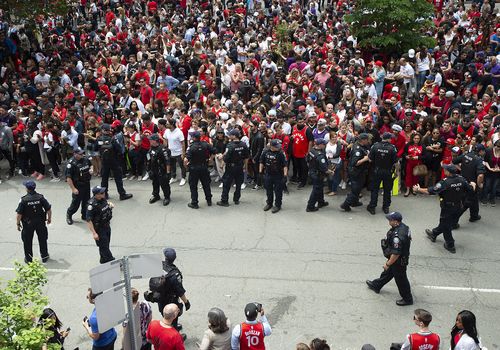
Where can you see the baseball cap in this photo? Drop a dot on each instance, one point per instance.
(154, 137)
(450, 141)
(322, 121)
(251, 311)
(98, 189)
(452, 169)
(397, 127)
(275, 143)
(234, 132)
(195, 134)
(387, 136)
(364, 136)
(411, 53)
(116, 124)
(169, 254)
(29, 184)
(480, 147)
(106, 127)
(450, 94)
(395, 215)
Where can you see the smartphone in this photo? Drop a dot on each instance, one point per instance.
(85, 319)
(68, 329)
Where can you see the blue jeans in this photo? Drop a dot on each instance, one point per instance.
(334, 180)
(490, 187)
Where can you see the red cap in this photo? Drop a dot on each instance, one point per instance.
(379, 63)
(450, 141)
(369, 80)
(116, 124)
(203, 56)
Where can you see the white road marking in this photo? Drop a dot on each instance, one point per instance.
(463, 289)
(49, 270)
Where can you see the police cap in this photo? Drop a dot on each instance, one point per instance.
(480, 147)
(451, 168)
(195, 134)
(234, 132)
(154, 137)
(29, 184)
(364, 136)
(275, 143)
(387, 136)
(106, 127)
(169, 254)
(98, 190)
(395, 215)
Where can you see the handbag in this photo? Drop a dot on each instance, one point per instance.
(420, 170)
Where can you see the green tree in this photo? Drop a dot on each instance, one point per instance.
(392, 25)
(21, 304)
(29, 11)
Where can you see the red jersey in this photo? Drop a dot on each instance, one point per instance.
(252, 336)
(300, 142)
(425, 341)
(147, 130)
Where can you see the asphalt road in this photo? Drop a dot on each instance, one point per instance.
(307, 269)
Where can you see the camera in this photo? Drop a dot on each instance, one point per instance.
(259, 306)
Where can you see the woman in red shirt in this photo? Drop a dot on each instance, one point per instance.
(413, 155)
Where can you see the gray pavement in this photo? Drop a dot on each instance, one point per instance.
(307, 269)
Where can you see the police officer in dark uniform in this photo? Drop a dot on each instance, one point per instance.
(33, 212)
(168, 289)
(396, 248)
(452, 190)
(383, 156)
(472, 169)
(110, 151)
(99, 214)
(357, 169)
(236, 156)
(158, 158)
(78, 178)
(318, 168)
(197, 156)
(274, 163)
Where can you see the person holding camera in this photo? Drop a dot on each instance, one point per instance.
(249, 335)
(396, 248)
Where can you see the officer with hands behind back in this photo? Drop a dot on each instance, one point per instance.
(33, 212)
(318, 168)
(396, 248)
(273, 162)
(99, 214)
(197, 156)
(78, 178)
(158, 158)
(452, 191)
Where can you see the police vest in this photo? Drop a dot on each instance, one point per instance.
(252, 336)
(157, 159)
(469, 167)
(272, 163)
(454, 193)
(82, 170)
(239, 153)
(33, 208)
(384, 155)
(199, 154)
(105, 146)
(312, 160)
(424, 341)
(102, 212)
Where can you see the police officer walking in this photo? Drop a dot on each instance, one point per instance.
(318, 168)
(99, 214)
(383, 156)
(357, 169)
(472, 169)
(168, 289)
(197, 156)
(110, 151)
(236, 157)
(158, 157)
(78, 178)
(274, 163)
(452, 190)
(33, 212)
(396, 248)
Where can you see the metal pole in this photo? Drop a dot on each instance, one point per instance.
(130, 305)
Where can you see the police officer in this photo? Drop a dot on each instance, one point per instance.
(274, 163)
(357, 169)
(318, 168)
(396, 248)
(33, 212)
(170, 286)
(236, 157)
(452, 191)
(158, 158)
(197, 156)
(472, 169)
(110, 150)
(99, 214)
(78, 178)
(383, 155)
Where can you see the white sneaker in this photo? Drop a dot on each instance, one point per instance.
(217, 179)
(56, 179)
(243, 186)
(343, 185)
(172, 180)
(221, 185)
(145, 177)
(183, 182)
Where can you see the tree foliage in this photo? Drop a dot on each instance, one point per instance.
(29, 12)
(21, 304)
(392, 25)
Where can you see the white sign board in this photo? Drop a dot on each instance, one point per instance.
(110, 309)
(105, 276)
(145, 265)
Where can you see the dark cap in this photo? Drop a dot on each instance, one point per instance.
(387, 136)
(106, 127)
(364, 136)
(29, 184)
(395, 215)
(154, 137)
(451, 168)
(169, 254)
(98, 189)
(275, 143)
(320, 141)
(251, 311)
(480, 147)
(195, 134)
(234, 132)
(79, 150)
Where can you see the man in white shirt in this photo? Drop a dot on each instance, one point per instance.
(408, 74)
(42, 77)
(177, 148)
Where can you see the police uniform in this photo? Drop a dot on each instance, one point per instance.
(397, 242)
(100, 213)
(274, 162)
(318, 166)
(198, 154)
(79, 172)
(383, 156)
(109, 149)
(452, 191)
(471, 166)
(357, 176)
(236, 154)
(158, 160)
(33, 208)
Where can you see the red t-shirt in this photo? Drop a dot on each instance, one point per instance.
(164, 338)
